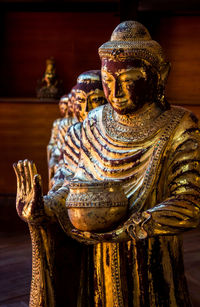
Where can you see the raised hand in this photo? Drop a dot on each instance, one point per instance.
(29, 200)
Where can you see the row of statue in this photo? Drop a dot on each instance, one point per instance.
(86, 95)
(124, 174)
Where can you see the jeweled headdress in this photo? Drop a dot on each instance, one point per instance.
(131, 39)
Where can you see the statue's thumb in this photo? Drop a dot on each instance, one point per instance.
(37, 186)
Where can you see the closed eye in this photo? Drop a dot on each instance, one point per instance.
(107, 80)
(127, 80)
(79, 99)
(97, 99)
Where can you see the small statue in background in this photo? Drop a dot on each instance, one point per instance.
(53, 148)
(50, 87)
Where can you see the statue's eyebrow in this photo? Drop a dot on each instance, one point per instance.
(141, 69)
(105, 70)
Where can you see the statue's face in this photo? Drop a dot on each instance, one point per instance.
(63, 108)
(128, 84)
(71, 106)
(85, 102)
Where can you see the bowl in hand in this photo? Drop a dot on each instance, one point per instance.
(96, 205)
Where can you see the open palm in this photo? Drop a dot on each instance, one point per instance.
(29, 200)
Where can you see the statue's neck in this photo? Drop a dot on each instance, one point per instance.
(147, 114)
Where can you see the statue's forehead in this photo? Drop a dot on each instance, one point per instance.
(129, 65)
(126, 64)
(88, 93)
(122, 71)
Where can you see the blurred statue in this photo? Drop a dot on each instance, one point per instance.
(57, 135)
(87, 94)
(50, 86)
(147, 149)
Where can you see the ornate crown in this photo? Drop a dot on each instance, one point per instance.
(131, 39)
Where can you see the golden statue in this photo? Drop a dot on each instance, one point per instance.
(87, 94)
(136, 153)
(60, 126)
(50, 86)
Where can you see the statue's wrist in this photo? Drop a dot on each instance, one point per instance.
(55, 201)
(135, 226)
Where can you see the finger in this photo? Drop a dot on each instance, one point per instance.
(90, 235)
(32, 171)
(22, 176)
(131, 230)
(27, 175)
(83, 236)
(78, 233)
(37, 187)
(18, 177)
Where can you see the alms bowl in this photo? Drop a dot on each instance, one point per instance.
(96, 205)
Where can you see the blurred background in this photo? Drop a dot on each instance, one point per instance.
(71, 31)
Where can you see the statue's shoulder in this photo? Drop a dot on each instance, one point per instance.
(75, 129)
(66, 122)
(57, 122)
(188, 117)
(187, 126)
(94, 116)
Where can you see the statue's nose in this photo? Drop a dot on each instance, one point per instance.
(117, 89)
(87, 105)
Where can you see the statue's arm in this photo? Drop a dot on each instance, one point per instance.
(180, 210)
(31, 209)
(41, 215)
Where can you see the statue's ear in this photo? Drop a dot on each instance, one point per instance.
(164, 72)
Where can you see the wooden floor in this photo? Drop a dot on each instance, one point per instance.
(15, 268)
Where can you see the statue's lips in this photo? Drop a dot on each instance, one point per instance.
(119, 103)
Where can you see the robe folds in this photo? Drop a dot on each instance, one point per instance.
(160, 170)
(60, 127)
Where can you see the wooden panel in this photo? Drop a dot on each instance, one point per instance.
(24, 132)
(29, 38)
(180, 38)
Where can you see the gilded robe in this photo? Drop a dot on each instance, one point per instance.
(160, 166)
(59, 130)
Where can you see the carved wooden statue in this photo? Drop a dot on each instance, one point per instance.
(150, 151)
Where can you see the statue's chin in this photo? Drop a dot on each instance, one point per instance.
(132, 110)
(126, 111)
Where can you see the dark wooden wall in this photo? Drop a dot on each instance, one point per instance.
(25, 129)
(29, 38)
(179, 35)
